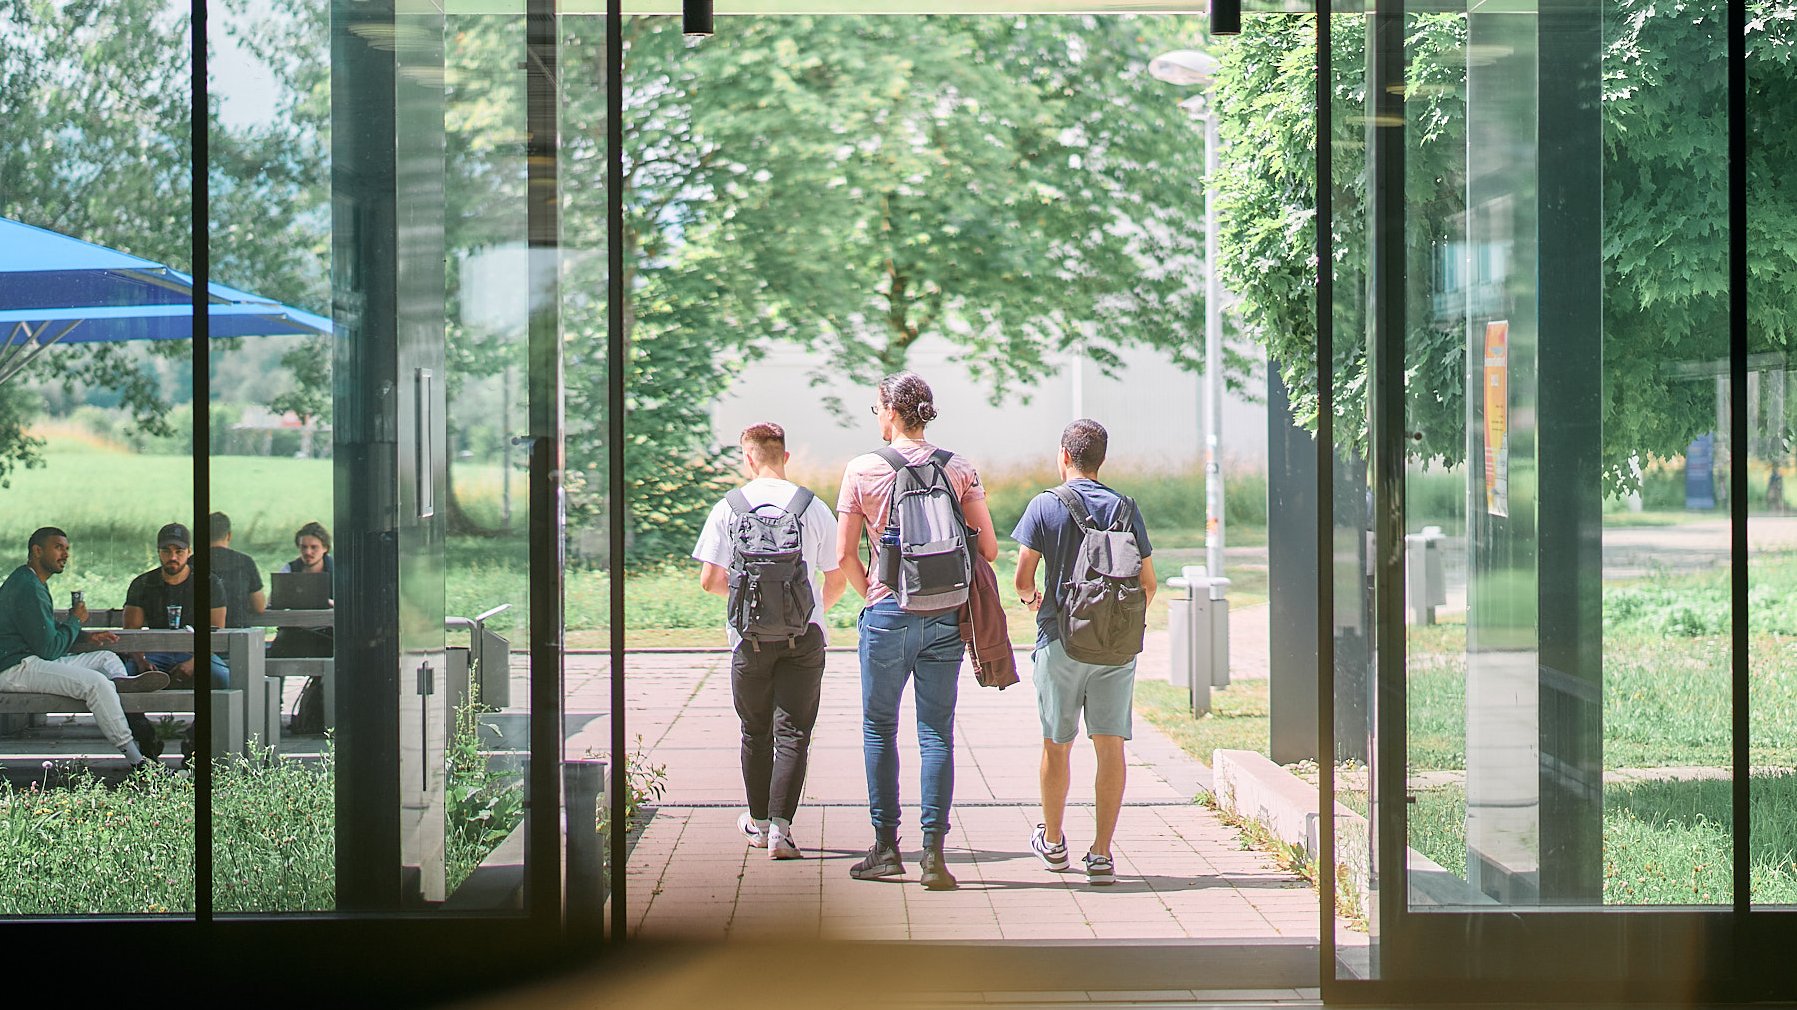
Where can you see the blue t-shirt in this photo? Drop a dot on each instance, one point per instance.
(1048, 529)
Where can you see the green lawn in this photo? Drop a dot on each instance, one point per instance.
(1665, 843)
(267, 499)
(1237, 719)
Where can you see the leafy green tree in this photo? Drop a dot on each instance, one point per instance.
(1665, 215)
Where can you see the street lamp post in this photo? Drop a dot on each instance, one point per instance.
(1188, 67)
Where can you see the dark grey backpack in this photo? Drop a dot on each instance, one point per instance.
(924, 555)
(770, 585)
(1104, 613)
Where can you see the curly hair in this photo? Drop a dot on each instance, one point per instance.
(910, 397)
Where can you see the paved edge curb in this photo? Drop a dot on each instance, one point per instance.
(1252, 787)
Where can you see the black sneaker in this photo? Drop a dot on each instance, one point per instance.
(880, 861)
(935, 872)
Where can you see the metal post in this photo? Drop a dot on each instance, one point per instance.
(582, 781)
(1213, 354)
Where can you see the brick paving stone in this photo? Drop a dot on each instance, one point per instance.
(1182, 873)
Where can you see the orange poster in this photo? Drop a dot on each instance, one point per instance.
(1497, 410)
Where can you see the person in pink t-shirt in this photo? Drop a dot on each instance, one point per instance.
(897, 645)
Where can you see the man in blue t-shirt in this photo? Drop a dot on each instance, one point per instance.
(1065, 687)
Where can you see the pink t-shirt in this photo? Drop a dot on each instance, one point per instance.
(867, 492)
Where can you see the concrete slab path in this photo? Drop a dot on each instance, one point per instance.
(1182, 873)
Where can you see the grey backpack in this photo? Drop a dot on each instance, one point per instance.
(770, 596)
(1104, 613)
(924, 556)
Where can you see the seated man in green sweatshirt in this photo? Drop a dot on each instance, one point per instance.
(34, 646)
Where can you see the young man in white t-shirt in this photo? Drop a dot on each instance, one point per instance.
(775, 684)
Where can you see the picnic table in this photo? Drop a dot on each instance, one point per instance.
(232, 705)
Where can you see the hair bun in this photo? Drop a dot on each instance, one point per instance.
(926, 411)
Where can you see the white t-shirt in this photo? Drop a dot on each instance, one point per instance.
(818, 544)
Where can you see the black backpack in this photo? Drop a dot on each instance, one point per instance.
(770, 585)
(924, 555)
(1104, 613)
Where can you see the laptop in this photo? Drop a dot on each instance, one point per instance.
(299, 591)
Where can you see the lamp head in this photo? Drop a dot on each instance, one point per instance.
(1184, 67)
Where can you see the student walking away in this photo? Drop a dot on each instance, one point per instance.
(35, 648)
(925, 512)
(1089, 625)
(163, 597)
(244, 599)
(769, 548)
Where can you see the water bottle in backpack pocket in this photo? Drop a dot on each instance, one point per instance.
(924, 556)
(1105, 615)
(770, 597)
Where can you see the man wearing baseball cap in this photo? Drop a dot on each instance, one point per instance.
(163, 597)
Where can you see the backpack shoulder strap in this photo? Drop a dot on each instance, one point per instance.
(1125, 519)
(941, 457)
(894, 458)
(1074, 504)
(739, 502)
(801, 500)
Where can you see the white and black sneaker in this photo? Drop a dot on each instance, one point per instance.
(1053, 856)
(780, 844)
(755, 831)
(1100, 869)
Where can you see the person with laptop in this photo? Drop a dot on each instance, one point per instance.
(163, 597)
(314, 543)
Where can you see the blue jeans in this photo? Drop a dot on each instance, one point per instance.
(895, 647)
(221, 674)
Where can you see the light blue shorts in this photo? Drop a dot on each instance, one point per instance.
(1066, 686)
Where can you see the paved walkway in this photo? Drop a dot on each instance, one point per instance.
(1182, 874)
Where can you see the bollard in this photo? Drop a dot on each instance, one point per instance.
(1179, 637)
(582, 782)
(1425, 581)
(1189, 670)
(1214, 633)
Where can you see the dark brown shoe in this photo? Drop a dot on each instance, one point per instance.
(153, 680)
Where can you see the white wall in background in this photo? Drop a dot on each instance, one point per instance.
(1151, 411)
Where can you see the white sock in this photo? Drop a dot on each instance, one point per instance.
(783, 824)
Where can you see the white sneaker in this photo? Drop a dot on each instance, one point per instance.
(780, 844)
(755, 831)
(1053, 856)
(1100, 870)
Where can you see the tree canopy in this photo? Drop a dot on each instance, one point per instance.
(1665, 215)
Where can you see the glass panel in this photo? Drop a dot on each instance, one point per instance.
(95, 440)
(1557, 572)
(488, 514)
(1350, 567)
(588, 684)
(1771, 438)
(1667, 806)
(272, 486)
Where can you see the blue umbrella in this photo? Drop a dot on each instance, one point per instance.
(60, 290)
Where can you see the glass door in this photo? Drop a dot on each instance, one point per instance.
(1556, 334)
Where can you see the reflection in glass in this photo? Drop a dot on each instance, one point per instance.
(1771, 437)
(95, 429)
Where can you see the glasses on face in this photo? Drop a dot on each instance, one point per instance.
(874, 410)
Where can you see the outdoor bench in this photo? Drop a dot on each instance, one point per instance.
(231, 706)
